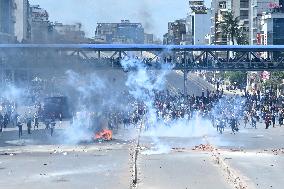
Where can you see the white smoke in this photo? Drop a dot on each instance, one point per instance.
(195, 127)
(13, 93)
(88, 90)
(143, 84)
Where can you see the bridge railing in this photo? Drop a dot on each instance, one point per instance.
(182, 57)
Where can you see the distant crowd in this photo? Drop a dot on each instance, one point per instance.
(222, 110)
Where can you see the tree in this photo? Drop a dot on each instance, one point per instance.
(276, 78)
(238, 77)
(242, 37)
(230, 26)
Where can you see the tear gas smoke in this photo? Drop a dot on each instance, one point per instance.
(95, 94)
(13, 93)
(143, 84)
(88, 106)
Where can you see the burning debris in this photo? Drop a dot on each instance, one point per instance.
(204, 147)
(104, 134)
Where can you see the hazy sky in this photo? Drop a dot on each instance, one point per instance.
(153, 14)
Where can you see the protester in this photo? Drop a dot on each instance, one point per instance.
(52, 126)
(29, 125)
(20, 127)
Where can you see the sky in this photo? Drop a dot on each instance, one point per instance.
(153, 14)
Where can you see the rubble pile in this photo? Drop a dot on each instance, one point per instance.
(204, 147)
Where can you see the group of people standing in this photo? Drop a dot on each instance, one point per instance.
(267, 109)
(9, 117)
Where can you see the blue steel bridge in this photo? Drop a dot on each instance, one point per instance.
(183, 57)
(41, 57)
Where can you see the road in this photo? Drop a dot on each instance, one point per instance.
(167, 158)
(255, 156)
(40, 161)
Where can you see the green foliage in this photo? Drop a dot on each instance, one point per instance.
(233, 30)
(230, 26)
(275, 78)
(242, 38)
(237, 77)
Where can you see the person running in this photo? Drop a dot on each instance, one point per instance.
(253, 121)
(36, 121)
(234, 124)
(267, 121)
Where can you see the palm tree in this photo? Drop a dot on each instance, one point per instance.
(230, 26)
(242, 37)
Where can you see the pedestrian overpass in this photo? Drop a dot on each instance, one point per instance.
(182, 57)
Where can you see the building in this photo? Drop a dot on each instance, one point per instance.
(241, 10)
(176, 33)
(198, 22)
(124, 32)
(218, 9)
(200, 28)
(7, 20)
(22, 25)
(247, 11)
(272, 25)
(68, 33)
(269, 32)
(193, 29)
(257, 8)
(41, 28)
(148, 38)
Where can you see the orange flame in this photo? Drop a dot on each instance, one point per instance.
(105, 134)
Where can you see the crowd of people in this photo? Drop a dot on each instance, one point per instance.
(222, 110)
(7, 114)
(10, 117)
(267, 108)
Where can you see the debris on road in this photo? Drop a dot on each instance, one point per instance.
(204, 147)
(7, 154)
(236, 150)
(278, 151)
(179, 149)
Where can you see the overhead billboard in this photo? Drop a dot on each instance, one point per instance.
(198, 7)
(196, 2)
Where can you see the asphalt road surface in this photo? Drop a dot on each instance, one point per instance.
(252, 158)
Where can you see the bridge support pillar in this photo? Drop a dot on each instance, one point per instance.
(184, 82)
(185, 74)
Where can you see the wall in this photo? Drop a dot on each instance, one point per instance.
(6, 21)
(202, 26)
(22, 29)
